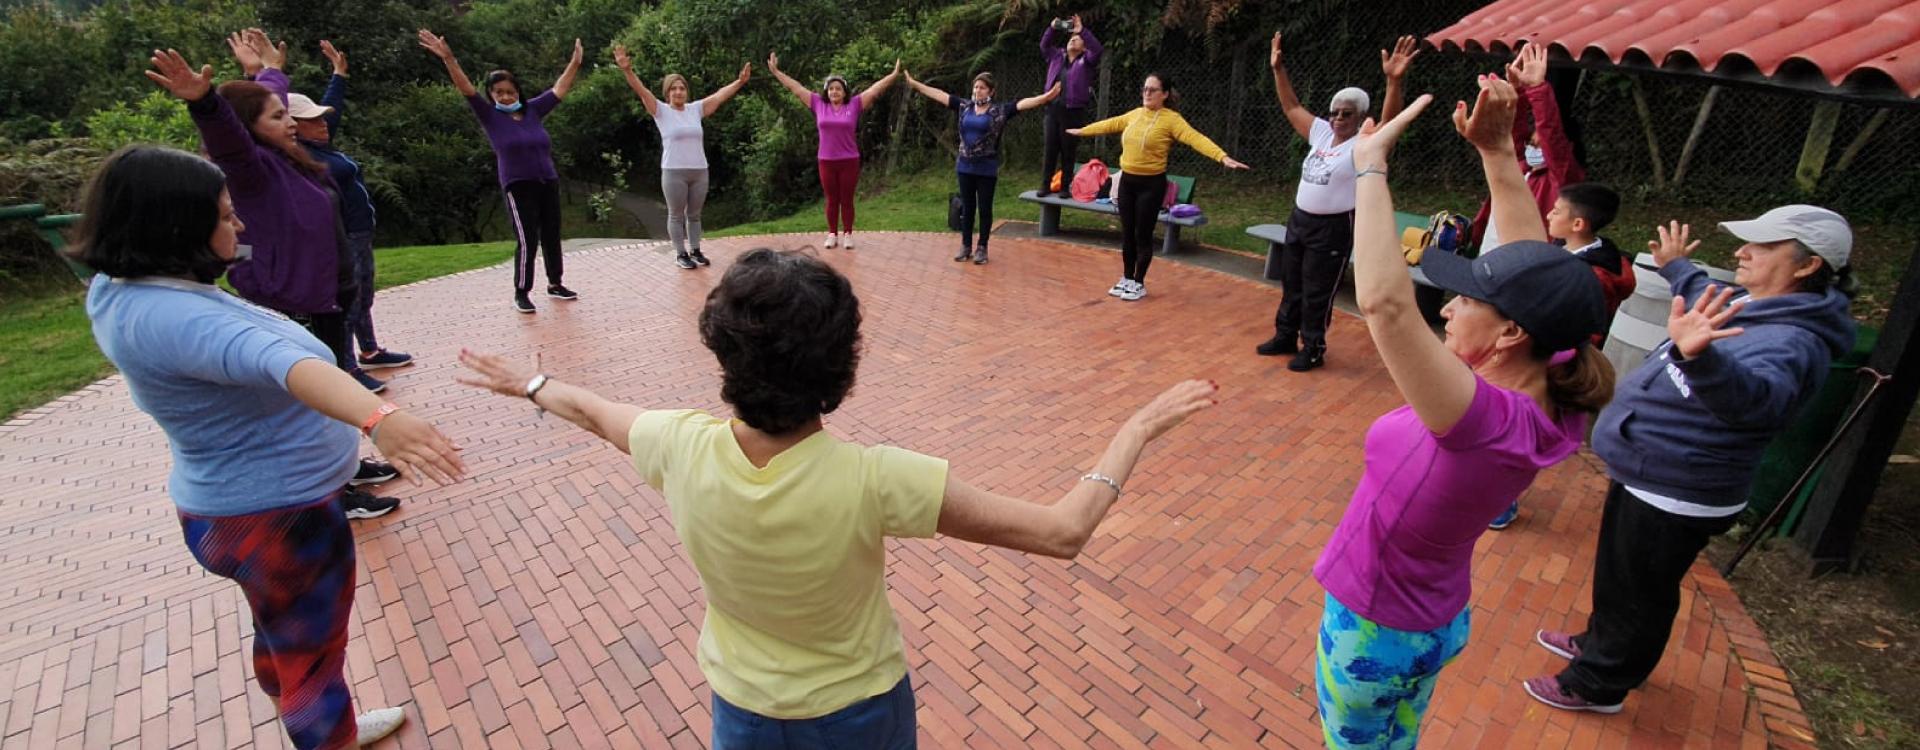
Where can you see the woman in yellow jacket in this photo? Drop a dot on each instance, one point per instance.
(1146, 135)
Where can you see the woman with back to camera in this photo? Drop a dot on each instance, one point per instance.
(258, 418)
(787, 524)
(1505, 395)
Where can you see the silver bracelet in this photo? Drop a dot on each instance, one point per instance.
(1104, 479)
(1370, 170)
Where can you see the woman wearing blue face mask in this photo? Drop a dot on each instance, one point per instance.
(981, 121)
(524, 155)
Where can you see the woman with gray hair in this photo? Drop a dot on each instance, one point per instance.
(837, 116)
(1320, 230)
(683, 151)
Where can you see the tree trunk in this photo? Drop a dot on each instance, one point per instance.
(1236, 83)
(1646, 125)
(899, 131)
(1693, 137)
(1813, 152)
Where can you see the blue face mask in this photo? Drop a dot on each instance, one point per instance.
(508, 108)
(1535, 157)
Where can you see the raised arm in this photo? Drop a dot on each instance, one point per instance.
(336, 93)
(927, 91)
(879, 87)
(1394, 65)
(1063, 528)
(1297, 115)
(611, 420)
(273, 62)
(712, 102)
(1094, 50)
(806, 97)
(565, 83)
(647, 99)
(1489, 129)
(1033, 102)
(438, 46)
(1435, 383)
(224, 137)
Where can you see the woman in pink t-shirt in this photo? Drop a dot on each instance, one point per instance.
(1505, 395)
(838, 117)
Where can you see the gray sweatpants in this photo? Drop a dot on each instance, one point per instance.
(686, 192)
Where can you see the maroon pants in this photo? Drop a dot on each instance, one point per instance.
(838, 178)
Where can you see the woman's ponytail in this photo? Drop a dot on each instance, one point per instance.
(1583, 383)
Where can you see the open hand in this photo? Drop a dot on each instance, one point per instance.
(896, 67)
(435, 44)
(1376, 140)
(1676, 242)
(1077, 25)
(1395, 64)
(497, 373)
(773, 62)
(335, 56)
(1529, 68)
(1172, 407)
(243, 53)
(416, 448)
(1489, 126)
(172, 72)
(621, 59)
(1232, 163)
(1273, 57)
(746, 71)
(579, 53)
(271, 55)
(1694, 328)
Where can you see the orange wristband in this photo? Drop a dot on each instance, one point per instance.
(373, 420)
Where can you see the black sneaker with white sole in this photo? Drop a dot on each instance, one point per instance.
(521, 303)
(684, 260)
(373, 472)
(362, 505)
(557, 291)
(701, 258)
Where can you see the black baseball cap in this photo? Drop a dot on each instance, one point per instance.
(1549, 292)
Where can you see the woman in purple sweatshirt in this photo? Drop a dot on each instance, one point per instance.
(524, 156)
(1074, 65)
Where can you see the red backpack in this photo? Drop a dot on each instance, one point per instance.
(1087, 181)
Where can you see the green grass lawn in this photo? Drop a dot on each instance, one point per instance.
(47, 349)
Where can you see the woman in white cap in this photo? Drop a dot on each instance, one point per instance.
(1685, 431)
(1320, 229)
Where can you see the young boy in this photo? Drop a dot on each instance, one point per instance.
(1578, 215)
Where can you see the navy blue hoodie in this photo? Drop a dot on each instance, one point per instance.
(1694, 429)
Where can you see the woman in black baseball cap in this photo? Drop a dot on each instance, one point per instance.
(1506, 394)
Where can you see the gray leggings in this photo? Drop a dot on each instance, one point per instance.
(686, 192)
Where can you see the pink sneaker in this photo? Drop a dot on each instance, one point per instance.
(1559, 643)
(1546, 689)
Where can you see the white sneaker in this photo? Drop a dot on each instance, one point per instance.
(847, 242)
(832, 239)
(1120, 287)
(1135, 292)
(375, 725)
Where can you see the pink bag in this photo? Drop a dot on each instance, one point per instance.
(1087, 182)
(1173, 195)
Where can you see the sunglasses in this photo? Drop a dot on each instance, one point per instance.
(1150, 90)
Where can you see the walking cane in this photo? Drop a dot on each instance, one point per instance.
(1760, 532)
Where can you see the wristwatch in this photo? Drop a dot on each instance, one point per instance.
(533, 388)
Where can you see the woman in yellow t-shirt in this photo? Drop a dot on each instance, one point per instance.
(1146, 135)
(786, 523)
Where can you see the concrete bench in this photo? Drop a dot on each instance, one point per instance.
(1050, 211)
(1429, 297)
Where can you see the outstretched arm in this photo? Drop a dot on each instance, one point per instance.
(647, 99)
(879, 87)
(612, 421)
(565, 84)
(438, 46)
(1108, 126)
(1437, 384)
(927, 91)
(1297, 115)
(773, 65)
(406, 440)
(1063, 528)
(1032, 102)
(1394, 65)
(713, 101)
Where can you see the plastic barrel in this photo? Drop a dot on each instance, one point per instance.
(1640, 326)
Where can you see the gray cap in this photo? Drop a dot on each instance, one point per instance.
(299, 107)
(1824, 232)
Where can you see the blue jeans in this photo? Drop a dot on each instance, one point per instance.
(883, 722)
(360, 313)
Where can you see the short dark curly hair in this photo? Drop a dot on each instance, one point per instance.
(786, 329)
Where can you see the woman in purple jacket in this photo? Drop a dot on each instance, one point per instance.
(1074, 65)
(524, 156)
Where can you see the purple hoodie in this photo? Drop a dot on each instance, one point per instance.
(288, 211)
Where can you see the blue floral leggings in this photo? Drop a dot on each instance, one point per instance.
(1375, 681)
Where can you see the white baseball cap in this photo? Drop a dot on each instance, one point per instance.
(299, 107)
(1824, 232)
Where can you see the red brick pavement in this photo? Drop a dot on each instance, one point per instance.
(545, 601)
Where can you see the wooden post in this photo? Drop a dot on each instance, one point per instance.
(1838, 506)
(1693, 136)
(1813, 153)
(1860, 141)
(1237, 85)
(1646, 124)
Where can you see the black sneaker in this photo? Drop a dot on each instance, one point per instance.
(362, 505)
(964, 255)
(383, 359)
(980, 255)
(557, 291)
(1310, 357)
(373, 472)
(700, 257)
(370, 382)
(521, 303)
(684, 260)
(1277, 346)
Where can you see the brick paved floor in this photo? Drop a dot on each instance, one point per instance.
(545, 602)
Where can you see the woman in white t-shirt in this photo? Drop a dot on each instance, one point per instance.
(1320, 230)
(683, 155)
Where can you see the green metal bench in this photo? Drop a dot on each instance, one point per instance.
(50, 228)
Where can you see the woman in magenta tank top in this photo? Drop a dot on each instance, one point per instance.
(837, 115)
